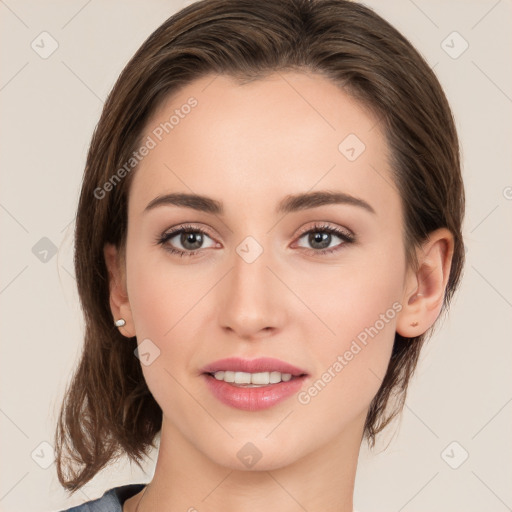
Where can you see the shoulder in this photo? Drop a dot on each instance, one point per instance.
(111, 501)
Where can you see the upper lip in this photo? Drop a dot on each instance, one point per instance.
(262, 364)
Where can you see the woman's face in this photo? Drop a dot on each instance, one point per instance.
(261, 275)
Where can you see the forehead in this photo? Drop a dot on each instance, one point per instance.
(287, 133)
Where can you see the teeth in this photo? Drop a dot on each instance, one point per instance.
(256, 379)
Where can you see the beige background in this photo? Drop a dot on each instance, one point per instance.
(463, 387)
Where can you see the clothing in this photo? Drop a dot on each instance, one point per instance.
(111, 501)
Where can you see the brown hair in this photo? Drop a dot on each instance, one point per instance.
(108, 409)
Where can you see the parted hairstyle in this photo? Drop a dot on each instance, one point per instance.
(107, 410)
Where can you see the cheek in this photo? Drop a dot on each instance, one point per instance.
(163, 295)
(170, 306)
(354, 296)
(166, 306)
(358, 306)
(349, 368)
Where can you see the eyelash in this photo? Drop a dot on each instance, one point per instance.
(346, 236)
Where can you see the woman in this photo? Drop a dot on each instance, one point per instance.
(269, 226)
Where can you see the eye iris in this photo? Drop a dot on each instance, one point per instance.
(196, 239)
(320, 238)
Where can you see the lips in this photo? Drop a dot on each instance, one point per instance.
(253, 398)
(262, 364)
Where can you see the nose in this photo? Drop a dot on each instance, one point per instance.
(252, 303)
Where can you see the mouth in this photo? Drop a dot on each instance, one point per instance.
(253, 385)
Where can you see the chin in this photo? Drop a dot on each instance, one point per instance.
(257, 452)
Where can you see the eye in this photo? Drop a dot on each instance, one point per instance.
(189, 237)
(320, 237)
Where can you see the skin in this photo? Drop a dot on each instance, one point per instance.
(250, 146)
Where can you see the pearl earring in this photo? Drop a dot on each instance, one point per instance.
(120, 323)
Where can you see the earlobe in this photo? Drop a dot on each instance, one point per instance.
(426, 285)
(119, 303)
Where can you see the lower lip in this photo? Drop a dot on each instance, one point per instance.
(253, 399)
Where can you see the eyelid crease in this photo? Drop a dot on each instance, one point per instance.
(322, 226)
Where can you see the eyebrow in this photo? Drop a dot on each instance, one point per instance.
(290, 203)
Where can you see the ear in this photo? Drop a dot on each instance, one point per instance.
(426, 285)
(119, 303)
